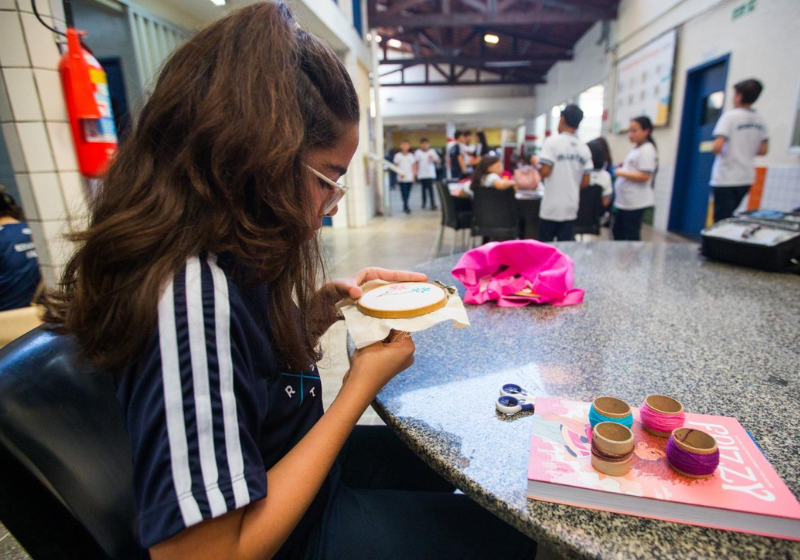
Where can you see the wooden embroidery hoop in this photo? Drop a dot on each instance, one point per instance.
(404, 313)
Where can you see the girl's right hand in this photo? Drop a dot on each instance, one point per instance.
(374, 366)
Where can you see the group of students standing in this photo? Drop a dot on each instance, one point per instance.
(567, 165)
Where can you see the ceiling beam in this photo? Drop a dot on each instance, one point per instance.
(507, 18)
(501, 82)
(397, 7)
(476, 60)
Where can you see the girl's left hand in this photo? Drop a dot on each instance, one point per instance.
(351, 286)
(340, 288)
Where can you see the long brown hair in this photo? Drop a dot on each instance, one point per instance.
(213, 164)
(482, 170)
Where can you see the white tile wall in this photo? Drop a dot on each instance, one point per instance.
(781, 188)
(42, 5)
(41, 42)
(57, 9)
(48, 83)
(60, 248)
(5, 107)
(74, 195)
(47, 193)
(26, 196)
(39, 239)
(12, 42)
(22, 95)
(14, 147)
(63, 148)
(47, 272)
(35, 147)
(7, 5)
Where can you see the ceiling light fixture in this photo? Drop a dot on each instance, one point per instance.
(394, 43)
(218, 2)
(492, 39)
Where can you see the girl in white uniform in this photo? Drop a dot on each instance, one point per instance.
(634, 187)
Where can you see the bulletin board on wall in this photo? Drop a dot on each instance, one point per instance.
(644, 82)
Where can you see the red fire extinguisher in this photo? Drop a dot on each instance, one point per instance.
(89, 106)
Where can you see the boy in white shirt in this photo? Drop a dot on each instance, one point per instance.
(740, 135)
(565, 164)
(408, 166)
(427, 159)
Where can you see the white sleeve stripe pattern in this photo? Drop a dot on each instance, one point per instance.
(222, 320)
(202, 393)
(173, 405)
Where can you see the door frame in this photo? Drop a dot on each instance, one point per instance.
(680, 182)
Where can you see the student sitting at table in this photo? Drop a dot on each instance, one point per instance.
(488, 174)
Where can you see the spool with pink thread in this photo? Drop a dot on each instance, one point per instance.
(692, 453)
(661, 415)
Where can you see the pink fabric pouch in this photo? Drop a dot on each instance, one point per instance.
(497, 271)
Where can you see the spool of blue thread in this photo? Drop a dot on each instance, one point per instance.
(609, 409)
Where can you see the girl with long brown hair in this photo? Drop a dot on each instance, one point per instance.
(195, 286)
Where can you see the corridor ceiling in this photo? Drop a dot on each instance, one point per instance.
(447, 37)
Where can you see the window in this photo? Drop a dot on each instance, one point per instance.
(357, 23)
(712, 108)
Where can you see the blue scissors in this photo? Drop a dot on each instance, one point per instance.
(513, 399)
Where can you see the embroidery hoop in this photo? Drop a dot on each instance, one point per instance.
(404, 313)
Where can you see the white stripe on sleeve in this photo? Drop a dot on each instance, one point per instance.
(202, 395)
(222, 320)
(173, 406)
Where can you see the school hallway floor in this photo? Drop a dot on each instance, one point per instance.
(398, 241)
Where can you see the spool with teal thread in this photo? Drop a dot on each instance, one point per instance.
(609, 409)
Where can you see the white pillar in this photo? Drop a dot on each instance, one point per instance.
(354, 211)
(37, 132)
(379, 182)
(450, 131)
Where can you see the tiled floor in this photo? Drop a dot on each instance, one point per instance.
(399, 242)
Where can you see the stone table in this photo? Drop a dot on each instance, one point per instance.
(657, 318)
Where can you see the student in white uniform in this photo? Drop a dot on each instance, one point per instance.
(488, 174)
(565, 164)
(407, 163)
(740, 136)
(634, 188)
(427, 159)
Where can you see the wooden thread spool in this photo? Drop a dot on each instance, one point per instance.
(611, 407)
(665, 405)
(697, 442)
(612, 448)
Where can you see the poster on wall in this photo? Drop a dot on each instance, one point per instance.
(644, 83)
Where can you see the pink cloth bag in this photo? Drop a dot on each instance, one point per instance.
(496, 271)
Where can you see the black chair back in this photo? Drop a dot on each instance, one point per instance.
(495, 213)
(590, 211)
(448, 206)
(65, 461)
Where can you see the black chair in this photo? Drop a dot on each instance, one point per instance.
(456, 214)
(496, 214)
(590, 211)
(65, 461)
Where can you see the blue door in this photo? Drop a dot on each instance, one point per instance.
(702, 106)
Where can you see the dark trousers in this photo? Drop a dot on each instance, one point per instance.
(427, 189)
(390, 505)
(727, 200)
(561, 231)
(405, 191)
(628, 225)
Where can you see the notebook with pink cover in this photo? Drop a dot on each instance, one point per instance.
(744, 494)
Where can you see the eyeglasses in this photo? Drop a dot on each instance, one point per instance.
(337, 191)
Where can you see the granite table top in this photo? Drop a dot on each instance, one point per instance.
(657, 318)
